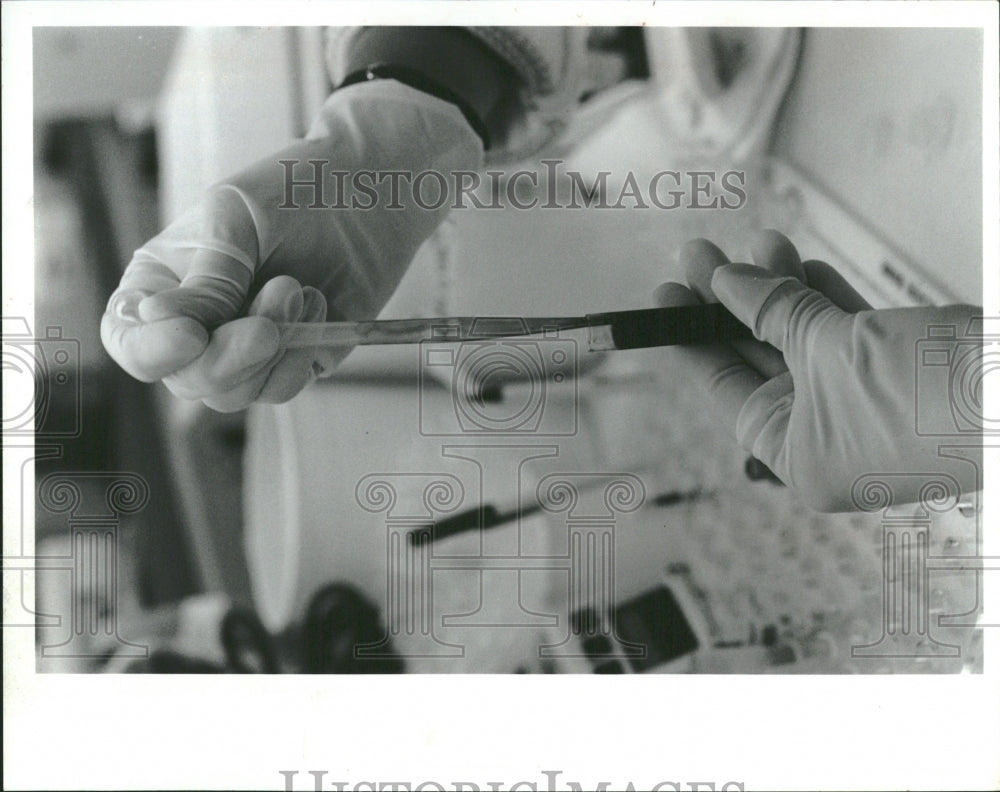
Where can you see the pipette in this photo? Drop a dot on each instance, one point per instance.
(648, 327)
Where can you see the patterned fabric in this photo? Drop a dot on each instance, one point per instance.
(551, 65)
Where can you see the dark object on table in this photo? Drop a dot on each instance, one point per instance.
(249, 647)
(655, 620)
(166, 661)
(338, 621)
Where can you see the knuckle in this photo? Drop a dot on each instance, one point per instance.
(222, 294)
(228, 216)
(283, 282)
(250, 336)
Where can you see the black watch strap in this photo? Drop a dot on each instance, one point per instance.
(421, 82)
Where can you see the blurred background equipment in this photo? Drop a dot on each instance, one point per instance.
(864, 146)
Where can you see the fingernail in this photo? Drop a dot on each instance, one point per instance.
(668, 294)
(726, 279)
(125, 304)
(291, 309)
(697, 248)
(240, 346)
(313, 305)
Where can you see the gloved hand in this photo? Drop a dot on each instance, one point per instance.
(828, 392)
(197, 305)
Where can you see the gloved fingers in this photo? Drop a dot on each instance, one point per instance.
(779, 310)
(237, 352)
(148, 351)
(674, 294)
(700, 258)
(215, 279)
(296, 367)
(762, 425)
(151, 351)
(212, 293)
(824, 278)
(147, 273)
(280, 300)
(773, 251)
(241, 396)
(718, 368)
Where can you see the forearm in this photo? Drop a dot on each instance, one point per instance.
(526, 108)
(447, 62)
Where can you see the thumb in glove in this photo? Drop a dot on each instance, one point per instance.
(847, 405)
(194, 308)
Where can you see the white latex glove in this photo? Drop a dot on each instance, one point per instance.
(181, 311)
(840, 401)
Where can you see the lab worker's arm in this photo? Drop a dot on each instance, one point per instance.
(544, 74)
(832, 393)
(197, 306)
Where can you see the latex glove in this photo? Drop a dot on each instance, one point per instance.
(841, 400)
(197, 305)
